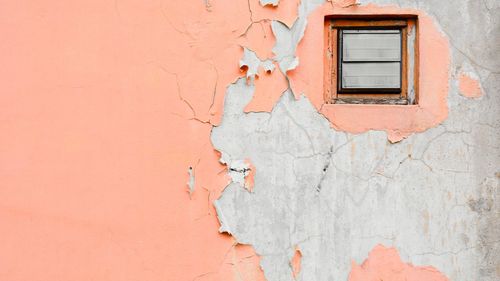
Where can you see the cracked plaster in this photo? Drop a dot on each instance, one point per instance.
(336, 195)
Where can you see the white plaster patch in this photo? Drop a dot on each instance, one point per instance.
(238, 171)
(287, 39)
(253, 63)
(190, 183)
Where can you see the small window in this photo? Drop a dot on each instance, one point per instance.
(368, 61)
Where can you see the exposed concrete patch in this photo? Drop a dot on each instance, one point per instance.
(274, 218)
(242, 172)
(285, 47)
(287, 39)
(486, 204)
(250, 63)
(190, 183)
(302, 192)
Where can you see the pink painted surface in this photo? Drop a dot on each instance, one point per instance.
(249, 179)
(268, 90)
(259, 38)
(385, 264)
(296, 263)
(100, 111)
(469, 87)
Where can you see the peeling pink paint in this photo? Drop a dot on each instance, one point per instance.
(296, 263)
(268, 90)
(385, 264)
(469, 87)
(249, 179)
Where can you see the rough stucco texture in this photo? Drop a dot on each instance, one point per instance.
(133, 132)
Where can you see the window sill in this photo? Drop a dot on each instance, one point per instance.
(371, 101)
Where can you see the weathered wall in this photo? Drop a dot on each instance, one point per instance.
(106, 105)
(334, 195)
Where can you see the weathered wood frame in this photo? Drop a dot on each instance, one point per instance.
(331, 69)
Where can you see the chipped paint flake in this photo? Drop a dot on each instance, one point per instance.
(287, 39)
(469, 85)
(249, 175)
(251, 64)
(268, 66)
(190, 183)
(295, 263)
(224, 224)
(285, 47)
(273, 3)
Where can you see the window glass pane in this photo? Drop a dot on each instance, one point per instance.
(371, 75)
(373, 31)
(371, 45)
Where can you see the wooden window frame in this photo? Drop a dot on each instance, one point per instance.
(367, 96)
